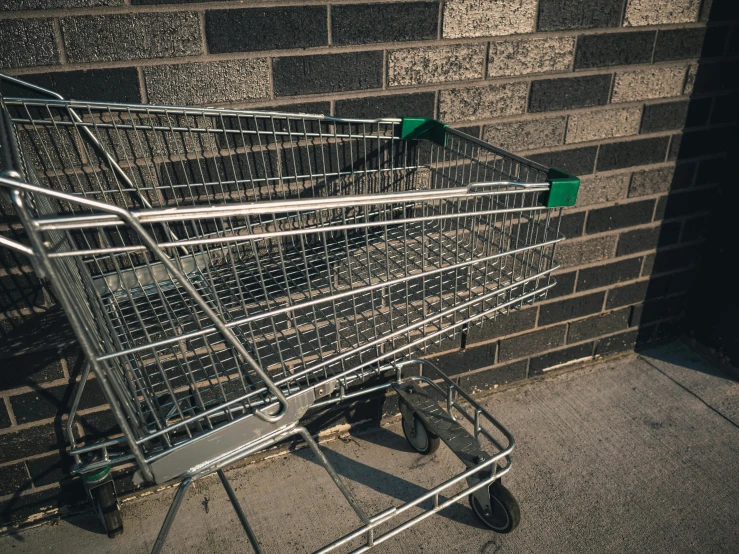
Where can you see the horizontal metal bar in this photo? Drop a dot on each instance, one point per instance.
(115, 459)
(490, 147)
(103, 444)
(184, 110)
(209, 131)
(29, 86)
(17, 246)
(269, 207)
(291, 233)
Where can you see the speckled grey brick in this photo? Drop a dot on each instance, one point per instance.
(293, 75)
(614, 49)
(14, 477)
(690, 79)
(265, 29)
(105, 38)
(208, 83)
(556, 15)
(619, 216)
(571, 92)
(395, 105)
(531, 343)
(675, 146)
(655, 12)
(27, 42)
(574, 253)
(435, 64)
(674, 115)
(598, 325)
(603, 124)
(706, 9)
(29, 442)
(522, 57)
(489, 379)
(618, 155)
(474, 103)
(656, 82)
(680, 44)
(578, 161)
(384, 22)
(559, 358)
(529, 134)
(609, 274)
(6, 5)
(651, 182)
(488, 18)
(603, 188)
(104, 85)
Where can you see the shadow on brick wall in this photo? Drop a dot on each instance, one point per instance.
(712, 307)
(689, 240)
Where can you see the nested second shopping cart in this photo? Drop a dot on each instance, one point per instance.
(227, 271)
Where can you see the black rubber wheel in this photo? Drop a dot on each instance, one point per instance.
(107, 504)
(421, 439)
(504, 516)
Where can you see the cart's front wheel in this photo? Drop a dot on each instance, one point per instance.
(107, 506)
(420, 437)
(502, 515)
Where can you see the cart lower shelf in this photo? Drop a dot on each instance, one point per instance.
(433, 409)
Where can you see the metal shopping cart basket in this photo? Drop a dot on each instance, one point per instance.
(227, 271)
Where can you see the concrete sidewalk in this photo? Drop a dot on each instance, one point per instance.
(636, 455)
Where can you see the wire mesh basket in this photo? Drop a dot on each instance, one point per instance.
(227, 270)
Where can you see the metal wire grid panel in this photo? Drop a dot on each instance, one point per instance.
(360, 247)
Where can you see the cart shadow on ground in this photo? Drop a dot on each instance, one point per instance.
(355, 473)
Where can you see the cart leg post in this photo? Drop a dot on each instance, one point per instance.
(80, 387)
(171, 514)
(240, 513)
(303, 432)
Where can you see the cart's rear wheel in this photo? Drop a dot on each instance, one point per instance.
(107, 505)
(420, 437)
(503, 515)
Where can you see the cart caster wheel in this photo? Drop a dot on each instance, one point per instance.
(503, 515)
(416, 433)
(107, 506)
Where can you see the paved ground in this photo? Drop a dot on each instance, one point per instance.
(636, 455)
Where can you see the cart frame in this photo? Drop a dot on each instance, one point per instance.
(270, 410)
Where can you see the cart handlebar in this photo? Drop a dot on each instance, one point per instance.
(185, 213)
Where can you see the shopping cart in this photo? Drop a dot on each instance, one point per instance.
(227, 271)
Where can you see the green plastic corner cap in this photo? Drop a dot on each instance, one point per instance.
(413, 128)
(563, 190)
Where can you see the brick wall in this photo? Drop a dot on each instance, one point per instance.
(636, 96)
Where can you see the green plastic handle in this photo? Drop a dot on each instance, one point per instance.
(563, 191)
(423, 128)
